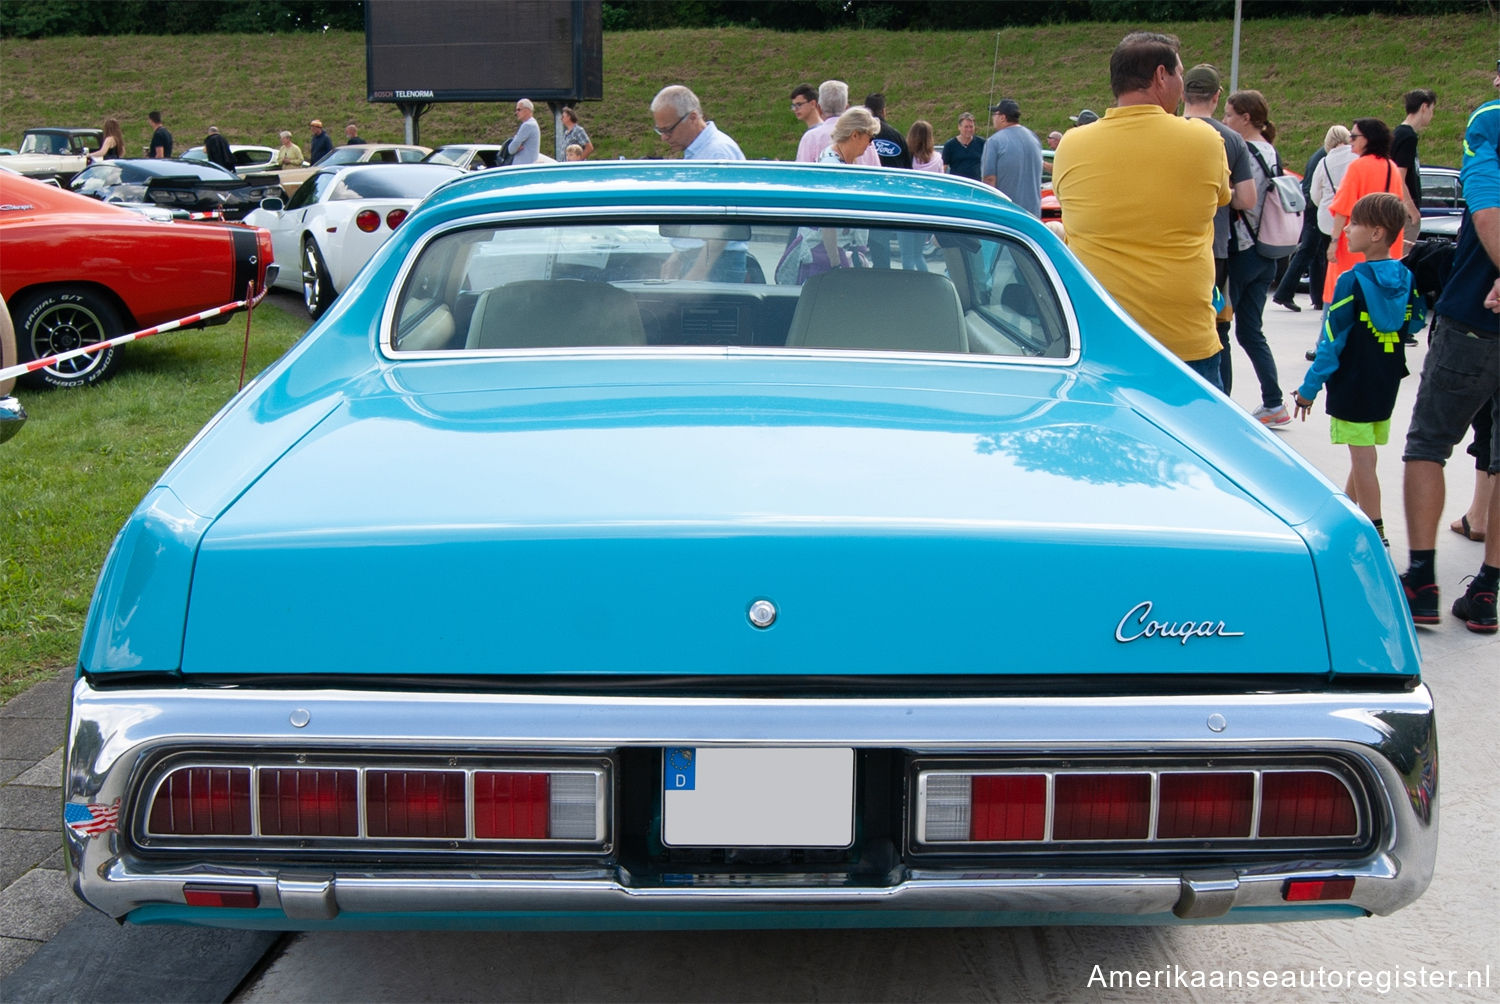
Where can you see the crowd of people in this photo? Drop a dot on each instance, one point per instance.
(1179, 216)
(1186, 240)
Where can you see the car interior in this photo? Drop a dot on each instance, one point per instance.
(818, 285)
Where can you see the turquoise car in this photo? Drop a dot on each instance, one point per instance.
(652, 545)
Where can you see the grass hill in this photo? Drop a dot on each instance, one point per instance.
(1314, 72)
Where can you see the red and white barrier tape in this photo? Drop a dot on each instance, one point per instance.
(61, 357)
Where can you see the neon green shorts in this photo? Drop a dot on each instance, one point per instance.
(1359, 433)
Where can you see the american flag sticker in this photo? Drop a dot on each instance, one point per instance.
(92, 819)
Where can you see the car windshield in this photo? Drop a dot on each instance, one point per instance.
(413, 182)
(344, 155)
(448, 155)
(803, 284)
(44, 142)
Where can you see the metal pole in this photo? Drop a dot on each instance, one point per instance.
(1234, 60)
(994, 66)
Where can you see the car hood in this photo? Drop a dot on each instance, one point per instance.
(629, 531)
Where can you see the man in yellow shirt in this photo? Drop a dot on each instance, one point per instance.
(1139, 189)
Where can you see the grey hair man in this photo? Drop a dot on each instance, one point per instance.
(526, 144)
(678, 119)
(833, 99)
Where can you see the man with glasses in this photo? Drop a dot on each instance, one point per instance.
(526, 144)
(805, 106)
(677, 118)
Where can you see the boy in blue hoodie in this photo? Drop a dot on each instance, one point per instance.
(1361, 356)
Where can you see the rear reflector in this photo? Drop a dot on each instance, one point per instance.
(241, 896)
(415, 803)
(1306, 803)
(1102, 807)
(309, 803)
(1205, 805)
(1312, 890)
(202, 801)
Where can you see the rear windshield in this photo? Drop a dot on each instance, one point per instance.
(795, 284)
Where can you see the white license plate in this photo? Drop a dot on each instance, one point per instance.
(755, 797)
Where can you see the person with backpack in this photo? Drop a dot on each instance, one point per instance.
(1362, 356)
(1372, 171)
(1252, 259)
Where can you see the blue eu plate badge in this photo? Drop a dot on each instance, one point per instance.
(681, 763)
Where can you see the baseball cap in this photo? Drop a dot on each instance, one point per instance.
(1202, 79)
(1007, 107)
(1084, 117)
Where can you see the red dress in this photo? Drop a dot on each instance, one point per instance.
(1369, 173)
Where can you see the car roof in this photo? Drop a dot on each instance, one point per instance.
(166, 168)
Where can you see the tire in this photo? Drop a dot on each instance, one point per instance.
(317, 286)
(56, 320)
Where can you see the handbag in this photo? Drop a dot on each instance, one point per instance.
(1281, 209)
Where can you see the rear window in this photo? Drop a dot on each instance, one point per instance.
(795, 284)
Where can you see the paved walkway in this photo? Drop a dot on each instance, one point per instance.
(52, 947)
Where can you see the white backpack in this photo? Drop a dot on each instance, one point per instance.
(1281, 211)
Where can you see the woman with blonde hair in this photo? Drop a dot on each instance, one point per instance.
(852, 135)
(1312, 250)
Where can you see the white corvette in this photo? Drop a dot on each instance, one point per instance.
(337, 219)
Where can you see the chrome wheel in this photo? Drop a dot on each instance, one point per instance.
(317, 287)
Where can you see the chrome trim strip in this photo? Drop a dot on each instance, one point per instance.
(115, 732)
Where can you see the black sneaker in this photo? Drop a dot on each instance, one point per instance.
(1423, 601)
(1288, 304)
(1476, 608)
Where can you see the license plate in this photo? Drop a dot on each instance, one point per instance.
(755, 797)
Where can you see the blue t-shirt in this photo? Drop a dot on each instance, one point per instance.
(1473, 273)
(1013, 155)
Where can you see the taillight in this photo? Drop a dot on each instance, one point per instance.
(1205, 805)
(415, 803)
(202, 801)
(309, 803)
(367, 220)
(536, 806)
(1306, 803)
(394, 217)
(1133, 805)
(1101, 807)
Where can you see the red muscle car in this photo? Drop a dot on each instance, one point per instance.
(78, 271)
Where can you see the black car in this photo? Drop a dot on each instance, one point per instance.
(179, 185)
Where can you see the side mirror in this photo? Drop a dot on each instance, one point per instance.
(272, 205)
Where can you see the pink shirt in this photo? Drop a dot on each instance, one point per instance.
(935, 165)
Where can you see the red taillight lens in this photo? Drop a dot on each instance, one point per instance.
(202, 801)
(367, 220)
(1102, 807)
(511, 806)
(1306, 803)
(1008, 807)
(309, 803)
(414, 803)
(394, 217)
(1205, 805)
(1312, 890)
(242, 896)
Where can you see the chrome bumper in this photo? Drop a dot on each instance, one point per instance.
(116, 732)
